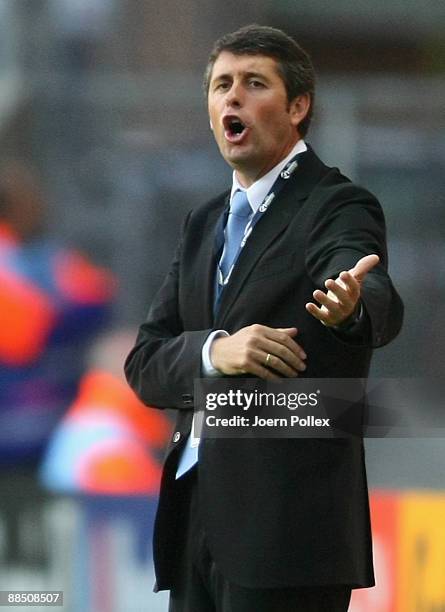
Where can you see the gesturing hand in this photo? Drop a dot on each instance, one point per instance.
(343, 294)
(266, 352)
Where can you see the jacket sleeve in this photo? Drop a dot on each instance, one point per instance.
(349, 225)
(166, 359)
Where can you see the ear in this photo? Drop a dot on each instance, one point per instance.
(299, 108)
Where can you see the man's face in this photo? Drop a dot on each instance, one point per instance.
(253, 123)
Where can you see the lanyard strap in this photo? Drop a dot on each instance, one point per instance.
(278, 185)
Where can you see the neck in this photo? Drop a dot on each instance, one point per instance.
(247, 176)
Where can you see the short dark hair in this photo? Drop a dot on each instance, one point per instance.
(294, 64)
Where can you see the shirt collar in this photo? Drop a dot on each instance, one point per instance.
(260, 188)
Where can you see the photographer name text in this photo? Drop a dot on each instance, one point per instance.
(244, 421)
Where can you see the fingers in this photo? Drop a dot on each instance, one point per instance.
(259, 369)
(291, 331)
(279, 363)
(346, 288)
(342, 297)
(322, 314)
(276, 353)
(343, 294)
(286, 356)
(338, 303)
(246, 351)
(281, 337)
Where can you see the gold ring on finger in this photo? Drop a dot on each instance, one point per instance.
(267, 359)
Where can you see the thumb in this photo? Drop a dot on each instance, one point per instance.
(363, 266)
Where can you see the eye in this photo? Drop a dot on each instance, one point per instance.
(221, 86)
(256, 84)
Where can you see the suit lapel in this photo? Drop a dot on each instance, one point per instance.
(210, 244)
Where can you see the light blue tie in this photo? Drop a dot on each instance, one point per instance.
(239, 214)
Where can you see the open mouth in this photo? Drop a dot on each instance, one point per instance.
(235, 129)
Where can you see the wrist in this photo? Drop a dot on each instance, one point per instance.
(352, 320)
(214, 353)
(208, 367)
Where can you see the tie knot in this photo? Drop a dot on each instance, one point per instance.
(240, 206)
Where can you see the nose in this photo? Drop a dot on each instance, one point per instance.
(234, 97)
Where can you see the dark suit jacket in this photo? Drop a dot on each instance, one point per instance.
(287, 512)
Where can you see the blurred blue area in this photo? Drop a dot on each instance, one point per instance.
(37, 388)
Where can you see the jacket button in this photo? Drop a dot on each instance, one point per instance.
(177, 436)
(187, 399)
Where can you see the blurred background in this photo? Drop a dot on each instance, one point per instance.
(105, 145)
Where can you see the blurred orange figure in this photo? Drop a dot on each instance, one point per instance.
(108, 442)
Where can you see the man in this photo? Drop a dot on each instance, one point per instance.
(266, 525)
